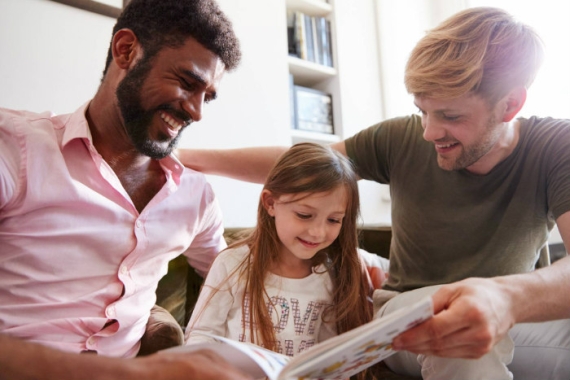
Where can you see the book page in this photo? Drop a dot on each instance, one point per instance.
(352, 352)
(251, 359)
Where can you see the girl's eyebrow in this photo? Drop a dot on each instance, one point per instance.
(339, 212)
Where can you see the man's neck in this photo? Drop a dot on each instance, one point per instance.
(504, 147)
(141, 176)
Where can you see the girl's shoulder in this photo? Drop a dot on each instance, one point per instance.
(232, 257)
(227, 264)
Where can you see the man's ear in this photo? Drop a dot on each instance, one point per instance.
(514, 102)
(268, 202)
(125, 47)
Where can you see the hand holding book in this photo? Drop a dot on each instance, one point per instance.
(336, 358)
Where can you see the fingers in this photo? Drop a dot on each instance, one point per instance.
(462, 327)
(377, 277)
(466, 343)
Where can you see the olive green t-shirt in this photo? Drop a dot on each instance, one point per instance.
(450, 225)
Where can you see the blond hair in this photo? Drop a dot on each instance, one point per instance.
(483, 51)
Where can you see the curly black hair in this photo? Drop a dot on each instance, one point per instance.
(169, 23)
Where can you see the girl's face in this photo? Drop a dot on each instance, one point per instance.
(306, 224)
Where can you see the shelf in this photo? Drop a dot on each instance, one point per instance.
(308, 73)
(298, 136)
(310, 7)
(314, 75)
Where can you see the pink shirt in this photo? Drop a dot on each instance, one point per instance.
(79, 265)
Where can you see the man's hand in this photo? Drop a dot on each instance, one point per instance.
(376, 277)
(471, 316)
(202, 364)
(47, 363)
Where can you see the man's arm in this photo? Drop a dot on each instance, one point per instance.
(24, 360)
(244, 164)
(474, 314)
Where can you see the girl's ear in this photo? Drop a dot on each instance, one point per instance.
(268, 202)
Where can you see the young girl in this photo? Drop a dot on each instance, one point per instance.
(297, 279)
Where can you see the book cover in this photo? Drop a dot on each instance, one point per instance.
(324, 30)
(336, 358)
(309, 38)
(300, 35)
(292, 35)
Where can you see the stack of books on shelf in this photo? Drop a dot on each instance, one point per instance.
(309, 38)
(311, 109)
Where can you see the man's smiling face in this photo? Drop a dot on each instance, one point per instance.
(463, 130)
(161, 95)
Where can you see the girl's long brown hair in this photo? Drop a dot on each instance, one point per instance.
(308, 168)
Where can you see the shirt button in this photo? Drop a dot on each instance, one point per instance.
(111, 311)
(123, 269)
(91, 342)
(138, 223)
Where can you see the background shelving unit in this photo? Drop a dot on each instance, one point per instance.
(317, 76)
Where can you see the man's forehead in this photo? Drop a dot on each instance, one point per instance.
(443, 104)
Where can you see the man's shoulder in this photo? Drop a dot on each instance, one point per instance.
(19, 122)
(540, 128)
(25, 114)
(195, 179)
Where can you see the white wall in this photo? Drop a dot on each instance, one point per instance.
(360, 82)
(52, 55)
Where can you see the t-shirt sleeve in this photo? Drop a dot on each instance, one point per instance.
(558, 176)
(216, 299)
(375, 150)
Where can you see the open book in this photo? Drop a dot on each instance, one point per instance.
(336, 358)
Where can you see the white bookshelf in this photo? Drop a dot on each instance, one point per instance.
(316, 76)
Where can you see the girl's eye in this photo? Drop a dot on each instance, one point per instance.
(335, 221)
(303, 216)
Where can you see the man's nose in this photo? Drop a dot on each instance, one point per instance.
(193, 106)
(432, 131)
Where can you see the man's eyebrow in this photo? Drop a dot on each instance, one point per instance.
(194, 76)
(441, 111)
(200, 80)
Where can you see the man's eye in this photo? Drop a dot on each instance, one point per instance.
(186, 85)
(450, 117)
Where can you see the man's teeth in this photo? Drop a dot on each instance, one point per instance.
(445, 146)
(175, 125)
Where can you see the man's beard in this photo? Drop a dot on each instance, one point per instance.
(138, 120)
(474, 153)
